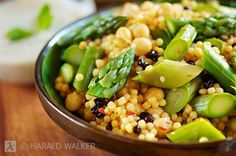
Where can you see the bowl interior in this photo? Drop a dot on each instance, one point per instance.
(48, 65)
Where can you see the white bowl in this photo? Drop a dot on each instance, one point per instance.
(17, 58)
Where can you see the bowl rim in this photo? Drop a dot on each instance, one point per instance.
(86, 125)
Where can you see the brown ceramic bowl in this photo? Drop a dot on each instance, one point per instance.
(46, 70)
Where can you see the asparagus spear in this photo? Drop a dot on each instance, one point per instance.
(174, 24)
(169, 74)
(213, 26)
(215, 65)
(215, 105)
(84, 73)
(67, 39)
(233, 59)
(216, 42)
(229, 3)
(194, 131)
(209, 7)
(176, 99)
(93, 29)
(163, 34)
(73, 55)
(177, 48)
(113, 76)
(67, 71)
(100, 27)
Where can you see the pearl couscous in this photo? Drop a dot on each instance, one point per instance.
(140, 108)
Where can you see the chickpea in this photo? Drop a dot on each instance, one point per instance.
(65, 88)
(74, 101)
(156, 92)
(130, 9)
(142, 46)
(124, 33)
(58, 86)
(167, 9)
(59, 79)
(81, 110)
(147, 5)
(88, 115)
(121, 43)
(141, 30)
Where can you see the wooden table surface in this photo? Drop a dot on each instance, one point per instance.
(22, 118)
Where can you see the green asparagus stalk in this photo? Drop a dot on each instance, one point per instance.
(216, 105)
(214, 64)
(112, 76)
(233, 59)
(174, 24)
(169, 74)
(213, 26)
(177, 99)
(67, 39)
(230, 4)
(93, 29)
(67, 71)
(216, 42)
(177, 48)
(163, 34)
(100, 27)
(86, 69)
(194, 131)
(73, 55)
(209, 7)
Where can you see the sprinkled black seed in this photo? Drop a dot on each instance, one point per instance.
(96, 112)
(100, 102)
(214, 46)
(109, 126)
(233, 44)
(191, 62)
(112, 98)
(143, 63)
(208, 84)
(147, 117)
(187, 8)
(137, 129)
(153, 55)
(208, 80)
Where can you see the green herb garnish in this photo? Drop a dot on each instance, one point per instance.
(18, 33)
(44, 21)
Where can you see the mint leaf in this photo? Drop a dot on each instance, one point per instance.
(18, 33)
(44, 19)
